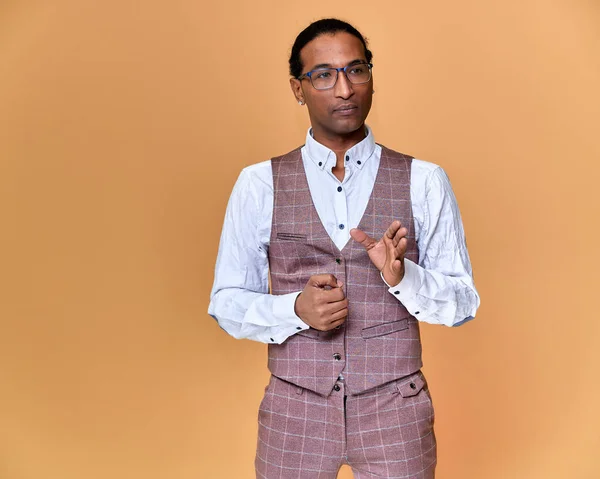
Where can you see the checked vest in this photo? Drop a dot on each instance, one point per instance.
(379, 341)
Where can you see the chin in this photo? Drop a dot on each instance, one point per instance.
(349, 128)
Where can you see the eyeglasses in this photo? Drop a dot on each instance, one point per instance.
(325, 78)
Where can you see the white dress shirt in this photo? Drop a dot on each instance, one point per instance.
(438, 290)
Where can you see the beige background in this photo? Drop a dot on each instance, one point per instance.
(123, 126)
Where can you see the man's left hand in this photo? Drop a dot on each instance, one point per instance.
(387, 254)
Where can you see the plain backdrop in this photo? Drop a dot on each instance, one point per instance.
(123, 127)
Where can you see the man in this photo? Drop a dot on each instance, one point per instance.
(361, 243)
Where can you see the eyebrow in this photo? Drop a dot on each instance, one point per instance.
(328, 65)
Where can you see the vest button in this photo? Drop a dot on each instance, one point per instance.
(337, 356)
(413, 386)
(338, 261)
(336, 387)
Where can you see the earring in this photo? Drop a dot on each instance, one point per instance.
(300, 102)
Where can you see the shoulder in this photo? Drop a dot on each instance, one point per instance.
(421, 171)
(295, 154)
(257, 173)
(426, 169)
(260, 175)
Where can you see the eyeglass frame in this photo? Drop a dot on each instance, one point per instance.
(337, 74)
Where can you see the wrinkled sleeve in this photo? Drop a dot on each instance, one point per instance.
(240, 299)
(440, 289)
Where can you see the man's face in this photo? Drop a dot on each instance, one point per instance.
(343, 109)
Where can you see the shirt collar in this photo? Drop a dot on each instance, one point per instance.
(356, 156)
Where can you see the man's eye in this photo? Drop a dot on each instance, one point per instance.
(357, 70)
(323, 75)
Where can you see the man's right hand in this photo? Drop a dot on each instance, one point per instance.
(322, 303)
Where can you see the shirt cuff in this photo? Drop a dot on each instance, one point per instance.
(290, 323)
(406, 290)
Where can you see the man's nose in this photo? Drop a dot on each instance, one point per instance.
(343, 87)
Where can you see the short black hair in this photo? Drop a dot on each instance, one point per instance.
(316, 29)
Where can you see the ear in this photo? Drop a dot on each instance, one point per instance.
(296, 86)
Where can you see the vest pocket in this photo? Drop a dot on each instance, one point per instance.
(291, 236)
(384, 328)
(411, 387)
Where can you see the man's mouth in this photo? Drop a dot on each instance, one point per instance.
(345, 109)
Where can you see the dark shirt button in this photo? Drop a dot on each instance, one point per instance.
(336, 387)
(347, 158)
(338, 261)
(341, 227)
(359, 162)
(417, 312)
(337, 356)
(413, 386)
(298, 328)
(272, 340)
(396, 292)
(339, 188)
(320, 163)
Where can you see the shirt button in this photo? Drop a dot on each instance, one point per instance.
(341, 226)
(417, 312)
(298, 328)
(320, 163)
(272, 340)
(396, 292)
(339, 261)
(359, 162)
(339, 188)
(336, 387)
(337, 356)
(347, 158)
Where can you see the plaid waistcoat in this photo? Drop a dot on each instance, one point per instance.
(380, 340)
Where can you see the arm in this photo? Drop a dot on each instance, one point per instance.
(239, 299)
(440, 288)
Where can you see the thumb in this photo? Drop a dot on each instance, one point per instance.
(362, 238)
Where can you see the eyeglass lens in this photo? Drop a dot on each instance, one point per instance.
(327, 77)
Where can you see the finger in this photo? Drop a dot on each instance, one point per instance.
(322, 280)
(335, 324)
(332, 308)
(362, 238)
(393, 228)
(401, 233)
(400, 249)
(339, 316)
(333, 295)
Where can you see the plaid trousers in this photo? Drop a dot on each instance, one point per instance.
(386, 432)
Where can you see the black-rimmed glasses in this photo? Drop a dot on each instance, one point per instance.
(325, 78)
